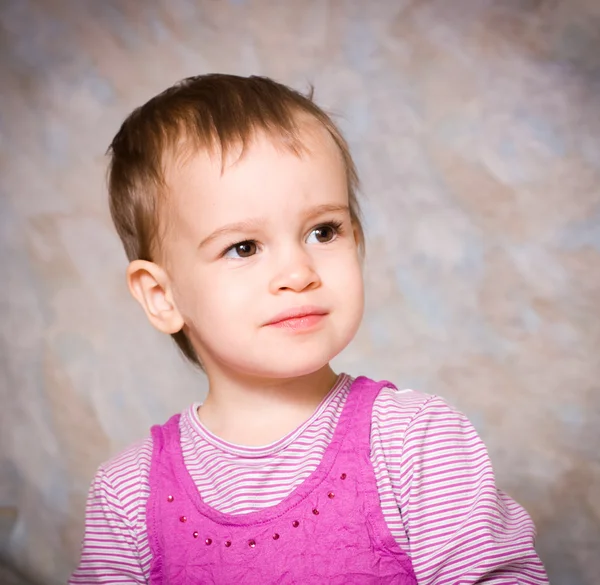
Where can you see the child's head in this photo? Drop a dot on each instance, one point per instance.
(235, 200)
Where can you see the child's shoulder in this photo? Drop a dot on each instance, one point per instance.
(117, 498)
(404, 399)
(399, 409)
(128, 470)
(409, 403)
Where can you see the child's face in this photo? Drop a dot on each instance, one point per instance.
(271, 234)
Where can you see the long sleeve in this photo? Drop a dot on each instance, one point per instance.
(114, 547)
(459, 527)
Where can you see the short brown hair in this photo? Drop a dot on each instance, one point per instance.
(215, 112)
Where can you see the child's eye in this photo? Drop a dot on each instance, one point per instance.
(324, 233)
(241, 250)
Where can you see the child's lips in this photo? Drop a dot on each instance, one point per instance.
(299, 323)
(298, 318)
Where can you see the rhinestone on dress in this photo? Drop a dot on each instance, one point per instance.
(183, 519)
(195, 535)
(276, 536)
(252, 543)
(295, 523)
(208, 541)
(315, 512)
(170, 498)
(228, 543)
(331, 495)
(343, 476)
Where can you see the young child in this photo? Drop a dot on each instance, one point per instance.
(235, 199)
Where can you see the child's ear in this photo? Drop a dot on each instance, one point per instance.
(150, 287)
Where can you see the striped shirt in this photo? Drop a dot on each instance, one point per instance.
(436, 487)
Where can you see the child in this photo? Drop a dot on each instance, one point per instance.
(235, 199)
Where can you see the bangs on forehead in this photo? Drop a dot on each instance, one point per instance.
(229, 145)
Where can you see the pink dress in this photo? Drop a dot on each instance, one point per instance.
(329, 530)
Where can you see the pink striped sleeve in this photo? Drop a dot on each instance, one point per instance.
(460, 527)
(114, 547)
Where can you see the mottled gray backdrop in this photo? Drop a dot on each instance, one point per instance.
(476, 128)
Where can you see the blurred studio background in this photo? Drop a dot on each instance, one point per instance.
(475, 125)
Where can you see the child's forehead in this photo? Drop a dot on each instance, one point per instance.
(262, 176)
(225, 151)
(198, 167)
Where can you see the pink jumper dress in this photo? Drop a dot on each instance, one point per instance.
(329, 531)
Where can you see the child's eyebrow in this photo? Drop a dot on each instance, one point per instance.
(240, 226)
(253, 224)
(326, 208)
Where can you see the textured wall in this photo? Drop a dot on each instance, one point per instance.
(476, 128)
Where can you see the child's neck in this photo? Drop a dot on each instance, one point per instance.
(259, 412)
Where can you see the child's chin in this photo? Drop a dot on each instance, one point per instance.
(295, 368)
(299, 367)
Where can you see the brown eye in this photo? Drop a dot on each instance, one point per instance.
(246, 249)
(323, 234)
(242, 250)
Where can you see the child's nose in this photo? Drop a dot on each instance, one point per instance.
(297, 274)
